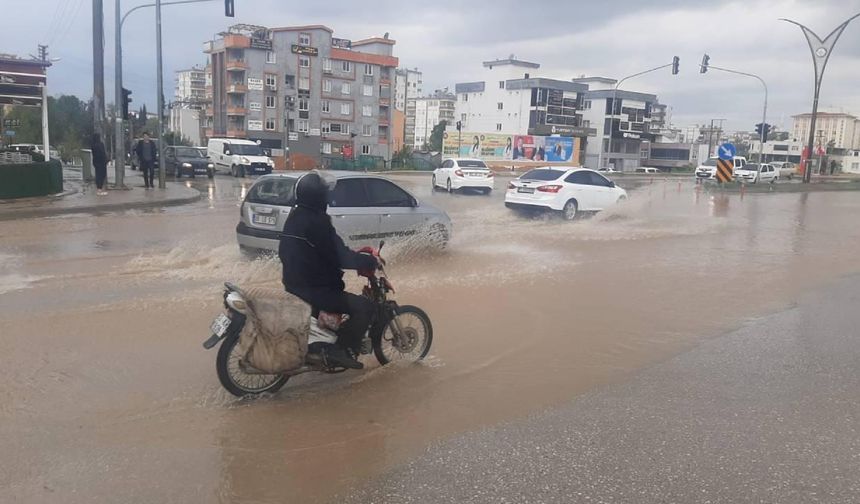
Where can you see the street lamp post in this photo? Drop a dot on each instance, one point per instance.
(820, 50)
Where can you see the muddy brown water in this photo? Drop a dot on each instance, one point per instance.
(107, 396)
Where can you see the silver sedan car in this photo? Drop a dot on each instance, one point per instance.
(364, 209)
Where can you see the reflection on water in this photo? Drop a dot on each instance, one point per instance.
(109, 390)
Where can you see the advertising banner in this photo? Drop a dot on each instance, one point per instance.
(487, 146)
(529, 148)
(559, 149)
(501, 147)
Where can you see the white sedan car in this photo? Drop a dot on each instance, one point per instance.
(457, 174)
(754, 173)
(568, 190)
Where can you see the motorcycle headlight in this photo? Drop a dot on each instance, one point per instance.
(210, 166)
(245, 160)
(186, 165)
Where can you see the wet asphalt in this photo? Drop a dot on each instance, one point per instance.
(769, 413)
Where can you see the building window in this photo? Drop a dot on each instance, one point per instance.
(368, 69)
(271, 57)
(586, 124)
(465, 97)
(344, 108)
(289, 80)
(500, 106)
(270, 102)
(305, 39)
(586, 105)
(325, 127)
(326, 106)
(366, 130)
(303, 104)
(270, 124)
(326, 148)
(365, 149)
(304, 61)
(346, 66)
(304, 126)
(271, 81)
(501, 84)
(326, 86)
(345, 88)
(366, 111)
(498, 126)
(326, 65)
(367, 90)
(305, 83)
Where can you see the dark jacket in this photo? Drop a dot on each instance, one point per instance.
(99, 154)
(145, 151)
(312, 253)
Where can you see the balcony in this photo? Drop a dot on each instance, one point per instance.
(208, 132)
(236, 133)
(237, 88)
(384, 102)
(384, 82)
(235, 41)
(233, 110)
(383, 121)
(233, 65)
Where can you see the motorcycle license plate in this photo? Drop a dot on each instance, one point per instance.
(269, 220)
(220, 325)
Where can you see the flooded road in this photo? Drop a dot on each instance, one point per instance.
(107, 396)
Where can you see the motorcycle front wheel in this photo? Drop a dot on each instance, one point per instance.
(234, 378)
(413, 342)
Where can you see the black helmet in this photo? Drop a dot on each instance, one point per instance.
(312, 191)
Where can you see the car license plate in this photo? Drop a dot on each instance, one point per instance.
(220, 325)
(527, 190)
(269, 220)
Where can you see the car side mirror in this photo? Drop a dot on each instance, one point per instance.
(611, 184)
(413, 202)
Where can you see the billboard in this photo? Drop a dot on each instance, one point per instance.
(488, 146)
(560, 149)
(529, 148)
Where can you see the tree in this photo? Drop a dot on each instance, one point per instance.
(70, 123)
(175, 138)
(403, 155)
(436, 136)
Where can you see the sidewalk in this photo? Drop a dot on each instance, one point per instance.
(81, 198)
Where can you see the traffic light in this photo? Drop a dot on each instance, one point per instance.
(459, 126)
(229, 8)
(705, 60)
(675, 62)
(126, 99)
(763, 134)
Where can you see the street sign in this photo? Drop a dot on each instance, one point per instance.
(724, 168)
(10, 133)
(727, 151)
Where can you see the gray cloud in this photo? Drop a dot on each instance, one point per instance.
(448, 40)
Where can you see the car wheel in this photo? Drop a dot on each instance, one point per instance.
(570, 210)
(434, 182)
(621, 199)
(448, 187)
(233, 171)
(486, 191)
(242, 172)
(210, 174)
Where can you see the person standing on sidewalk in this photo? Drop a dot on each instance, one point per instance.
(99, 163)
(146, 155)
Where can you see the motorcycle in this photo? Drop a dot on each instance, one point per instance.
(397, 333)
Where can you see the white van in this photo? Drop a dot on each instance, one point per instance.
(708, 169)
(240, 157)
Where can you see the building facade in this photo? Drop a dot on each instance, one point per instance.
(191, 86)
(426, 113)
(302, 89)
(842, 129)
(408, 84)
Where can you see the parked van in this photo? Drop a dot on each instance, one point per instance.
(240, 157)
(708, 169)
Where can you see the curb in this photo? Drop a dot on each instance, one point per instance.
(105, 207)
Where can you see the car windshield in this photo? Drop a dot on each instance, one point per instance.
(190, 152)
(471, 163)
(749, 166)
(543, 174)
(710, 162)
(273, 191)
(246, 150)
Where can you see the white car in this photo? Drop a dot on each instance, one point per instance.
(608, 169)
(457, 174)
(708, 169)
(754, 173)
(647, 169)
(784, 169)
(564, 189)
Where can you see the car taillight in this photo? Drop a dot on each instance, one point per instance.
(549, 188)
(458, 173)
(511, 186)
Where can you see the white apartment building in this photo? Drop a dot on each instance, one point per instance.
(408, 84)
(838, 127)
(191, 87)
(427, 112)
(512, 100)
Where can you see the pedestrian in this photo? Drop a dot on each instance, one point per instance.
(146, 156)
(832, 166)
(99, 163)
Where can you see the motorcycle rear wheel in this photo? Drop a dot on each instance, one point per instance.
(414, 342)
(235, 380)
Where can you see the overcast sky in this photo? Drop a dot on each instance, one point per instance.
(448, 40)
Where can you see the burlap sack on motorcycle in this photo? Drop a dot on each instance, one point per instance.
(275, 336)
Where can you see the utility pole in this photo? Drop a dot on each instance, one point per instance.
(119, 137)
(98, 68)
(162, 184)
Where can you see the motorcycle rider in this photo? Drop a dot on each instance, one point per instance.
(313, 258)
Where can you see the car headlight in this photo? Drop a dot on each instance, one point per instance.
(186, 165)
(210, 166)
(271, 163)
(245, 160)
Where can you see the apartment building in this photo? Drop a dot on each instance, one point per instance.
(187, 114)
(842, 129)
(423, 114)
(408, 84)
(303, 89)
